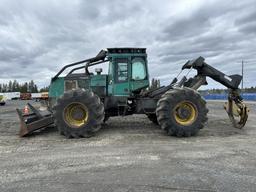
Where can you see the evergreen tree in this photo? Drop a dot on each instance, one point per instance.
(24, 88)
(45, 89)
(35, 89)
(10, 86)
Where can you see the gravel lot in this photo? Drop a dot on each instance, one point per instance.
(129, 154)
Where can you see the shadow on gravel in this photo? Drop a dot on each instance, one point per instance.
(142, 126)
(132, 125)
(46, 131)
(220, 128)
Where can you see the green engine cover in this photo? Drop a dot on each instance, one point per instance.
(97, 83)
(98, 80)
(56, 87)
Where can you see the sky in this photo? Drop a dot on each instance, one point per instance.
(37, 38)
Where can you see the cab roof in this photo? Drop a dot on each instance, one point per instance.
(126, 50)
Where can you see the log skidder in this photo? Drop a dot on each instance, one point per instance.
(80, 102)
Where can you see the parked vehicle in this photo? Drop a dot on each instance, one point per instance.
(25, 96)
(80, 102)
(39, 96)
(44, 95)
(36, 96)
(2, 99)
(11, 95)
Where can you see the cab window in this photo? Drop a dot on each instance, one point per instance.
(138, 69)
(122, 70)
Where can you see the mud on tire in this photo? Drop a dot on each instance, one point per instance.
(167, 116)
(94, 108)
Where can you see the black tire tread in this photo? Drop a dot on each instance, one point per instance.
(168, 101)
(96, 113)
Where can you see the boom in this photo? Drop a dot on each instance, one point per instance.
(236, 109)
(205, 70)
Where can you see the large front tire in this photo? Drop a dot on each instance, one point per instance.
(181, 112)
(78, 113)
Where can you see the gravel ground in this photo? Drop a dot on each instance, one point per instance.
(129, 154)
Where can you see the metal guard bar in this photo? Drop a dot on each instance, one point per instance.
(101, 56)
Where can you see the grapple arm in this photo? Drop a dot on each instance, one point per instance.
(236, 109)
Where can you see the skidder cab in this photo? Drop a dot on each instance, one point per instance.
(80, 102)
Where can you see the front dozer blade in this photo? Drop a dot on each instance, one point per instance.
(33, 121)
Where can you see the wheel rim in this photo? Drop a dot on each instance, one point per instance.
(76, 115)
(185, 113)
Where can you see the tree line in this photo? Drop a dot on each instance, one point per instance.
(26, 87)
(155, 83)
(31, 87)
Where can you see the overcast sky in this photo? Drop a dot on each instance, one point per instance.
(38, 37)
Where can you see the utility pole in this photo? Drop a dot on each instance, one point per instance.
(242, 74)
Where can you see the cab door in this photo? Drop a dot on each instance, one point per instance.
(121, 77)
(139, 74)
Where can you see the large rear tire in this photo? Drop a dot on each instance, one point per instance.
(181, 112)
(78, 113)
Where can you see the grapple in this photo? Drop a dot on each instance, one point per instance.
(236, 109)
